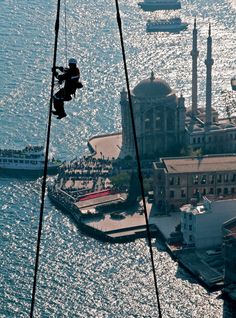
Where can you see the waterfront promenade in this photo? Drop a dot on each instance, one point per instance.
(106, 146)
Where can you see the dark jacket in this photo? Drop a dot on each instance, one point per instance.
(71, 77)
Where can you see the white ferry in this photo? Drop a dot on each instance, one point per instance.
(153, 5)
(27, 161)
(172, 25)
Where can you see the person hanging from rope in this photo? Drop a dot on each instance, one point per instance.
(71, 77)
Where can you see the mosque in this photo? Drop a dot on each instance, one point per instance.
(164, 125)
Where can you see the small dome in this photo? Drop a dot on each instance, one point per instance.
(152, 87)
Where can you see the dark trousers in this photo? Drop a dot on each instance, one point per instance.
(58, 101)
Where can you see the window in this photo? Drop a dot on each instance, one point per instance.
(211, 191)
(190, 238)
(16, 161)
(218, 191)
(190, 216)
(219, 178)
(147, 124)
(9, 160)
(211, 179)
(199, 140)
(204, 191)
(226, 178)
(170, 121)
(233, 177)
(226, 191)
(159, 121)
(194, 140)
(172, 193)
(178, 180)
(171, 180)
(183, 194)
(190, 227)
(209, 139)
(203, 180)
(195, 179)
(232, 191)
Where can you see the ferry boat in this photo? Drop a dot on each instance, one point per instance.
(28, 161)
(153, 5)
(173, 25)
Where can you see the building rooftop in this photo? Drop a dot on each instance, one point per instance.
(200, 164)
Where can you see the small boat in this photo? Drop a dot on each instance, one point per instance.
(173, 25)
(153, 5)
(233, 83)
(26, 162)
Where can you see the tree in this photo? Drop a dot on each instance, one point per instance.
(121, 180)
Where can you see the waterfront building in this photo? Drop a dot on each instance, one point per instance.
(177, 180)
(165, 126)
(159, 118)
(229, 249)
(201, 225)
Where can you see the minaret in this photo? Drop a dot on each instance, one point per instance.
(194, 54)
(209, 62)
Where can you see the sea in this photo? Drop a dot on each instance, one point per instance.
(79, 276)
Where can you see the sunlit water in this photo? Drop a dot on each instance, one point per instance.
(78, 276)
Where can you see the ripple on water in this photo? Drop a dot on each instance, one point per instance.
(78, 276)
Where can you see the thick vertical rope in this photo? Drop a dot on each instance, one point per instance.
(65, 22)
(45, 166)
(137, 158)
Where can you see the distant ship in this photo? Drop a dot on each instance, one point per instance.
(172, 25)
(233, 83)
(153, 5)
(28, 161)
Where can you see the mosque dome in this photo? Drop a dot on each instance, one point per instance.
(152, 88)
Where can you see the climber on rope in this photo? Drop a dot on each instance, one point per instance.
(71, 77)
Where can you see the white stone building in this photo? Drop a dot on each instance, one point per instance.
(201, 225)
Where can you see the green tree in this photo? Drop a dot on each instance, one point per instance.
(122, 180)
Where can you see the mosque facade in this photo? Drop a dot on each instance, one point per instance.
(164, 125)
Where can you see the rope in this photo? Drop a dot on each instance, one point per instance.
(45, 168)
(65, 13)
(137, 158)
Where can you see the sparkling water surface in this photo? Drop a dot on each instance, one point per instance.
(78, 276)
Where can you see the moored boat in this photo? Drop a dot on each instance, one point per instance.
(25, 162)
(173, 25)
(153, 5)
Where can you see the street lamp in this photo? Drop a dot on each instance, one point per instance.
(233, 83)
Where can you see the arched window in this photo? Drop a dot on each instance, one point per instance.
(170, 121)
